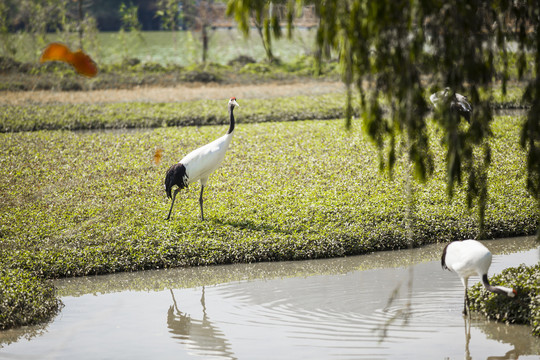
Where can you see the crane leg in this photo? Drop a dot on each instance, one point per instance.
(465, 282)
(466, 303)
(201, 202)
(174, 197)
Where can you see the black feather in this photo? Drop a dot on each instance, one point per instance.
(176, 175)
(231, 118)
(443, 257)
(461, 109)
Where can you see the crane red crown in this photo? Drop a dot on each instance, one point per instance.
(233, 98)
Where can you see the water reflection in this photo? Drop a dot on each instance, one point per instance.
(24, 333)
(518, 337)
(198, 335)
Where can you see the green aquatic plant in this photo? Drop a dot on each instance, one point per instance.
(523, 309)
(25, 299)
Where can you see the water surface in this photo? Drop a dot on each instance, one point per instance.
(389, 305)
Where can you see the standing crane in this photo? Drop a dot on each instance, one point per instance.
(458, 103)
(199, 164)
(469, 258)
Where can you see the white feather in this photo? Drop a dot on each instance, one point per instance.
(468, 258)
(200, 163)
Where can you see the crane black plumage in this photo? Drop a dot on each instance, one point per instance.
(199, 164)
(459, 104)
(469, 258)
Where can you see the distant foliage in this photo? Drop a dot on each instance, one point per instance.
(168, 12)
(131, 25)
(7, 46)
(260, 14)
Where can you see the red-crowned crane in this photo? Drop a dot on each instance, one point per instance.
(200, 163)
(458, 103)
(469, 258)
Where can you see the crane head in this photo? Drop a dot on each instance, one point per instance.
(233, 103)
(507, 291)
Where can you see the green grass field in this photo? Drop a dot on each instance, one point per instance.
(77, 203)
(30, 117)
(165, 47)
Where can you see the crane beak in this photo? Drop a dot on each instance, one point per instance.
(235, 103)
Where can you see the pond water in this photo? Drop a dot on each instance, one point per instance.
(389, 305)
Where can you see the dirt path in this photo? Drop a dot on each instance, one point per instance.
(178, 93)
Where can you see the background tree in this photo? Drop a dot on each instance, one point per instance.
(199, 16)
(168, 11)
(37, 17)
(130, 23)
(8, 47)
(261, 14)
(74, 21)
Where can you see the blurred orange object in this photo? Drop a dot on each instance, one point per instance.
(81, 62)
(157, 156)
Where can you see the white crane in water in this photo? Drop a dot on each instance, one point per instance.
(199, 164)
(458, 103)
(469, 258)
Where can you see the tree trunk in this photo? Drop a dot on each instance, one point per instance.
(80, 25)
(204, 43)
(267, 48)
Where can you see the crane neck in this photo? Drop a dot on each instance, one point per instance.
(497, 289)
(231, 119)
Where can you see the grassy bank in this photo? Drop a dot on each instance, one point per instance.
(26, 299)
(34, 117)
(79, 203)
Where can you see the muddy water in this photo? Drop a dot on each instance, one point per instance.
(391, 305)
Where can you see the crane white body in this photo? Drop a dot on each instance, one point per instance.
(468, 258)
(471, 258)
(199, 164)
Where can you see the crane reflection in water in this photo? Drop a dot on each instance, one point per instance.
(199, 336)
